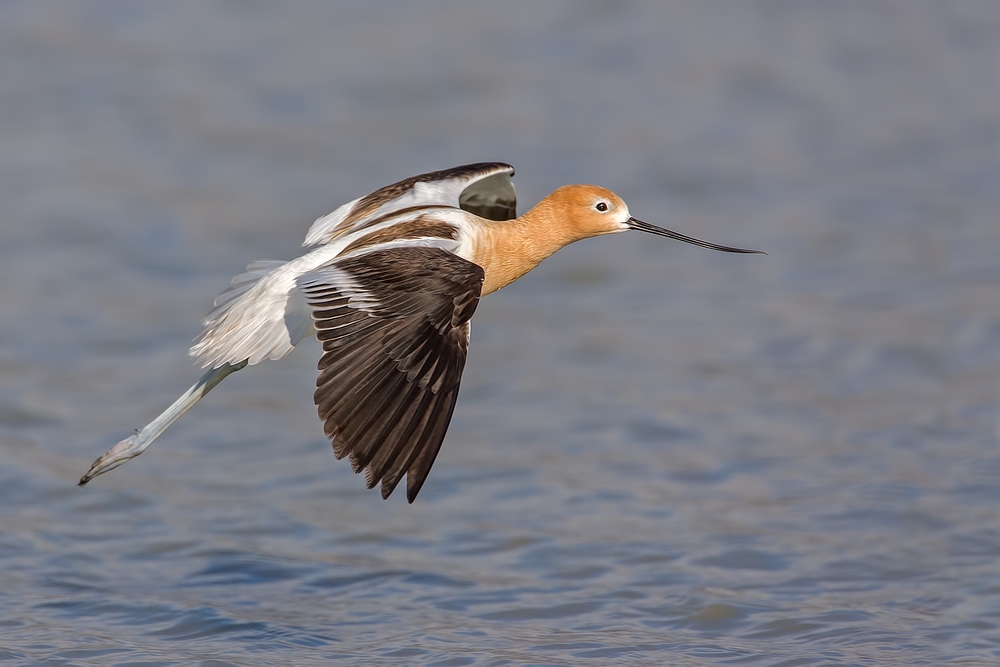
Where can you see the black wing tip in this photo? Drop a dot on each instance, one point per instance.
(480, 169)
(386, 489)
(483, 166)
(414, 481)
(412, 495)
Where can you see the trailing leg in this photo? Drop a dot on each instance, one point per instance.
(131, 447)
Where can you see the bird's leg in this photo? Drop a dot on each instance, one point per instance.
(132, 446)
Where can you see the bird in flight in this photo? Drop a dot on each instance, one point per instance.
(388, 286)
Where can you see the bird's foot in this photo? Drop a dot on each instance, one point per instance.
(127, 449)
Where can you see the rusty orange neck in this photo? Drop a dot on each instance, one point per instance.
(509, 249)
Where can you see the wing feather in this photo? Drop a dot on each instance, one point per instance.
(394, 325)
(434, 428)
(484, 189)
(241, 284)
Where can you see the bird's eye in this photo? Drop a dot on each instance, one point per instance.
(601, 206)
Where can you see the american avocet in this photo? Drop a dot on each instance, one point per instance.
(389, 288)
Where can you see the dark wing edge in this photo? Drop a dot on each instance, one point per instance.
(394, 325)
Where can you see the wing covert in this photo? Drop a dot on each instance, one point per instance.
(483, 188)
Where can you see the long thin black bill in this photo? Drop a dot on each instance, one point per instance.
(660, 231)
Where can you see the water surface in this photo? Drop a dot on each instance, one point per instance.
(661, 455)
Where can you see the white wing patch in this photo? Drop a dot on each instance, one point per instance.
(357, 296)
(325, 225)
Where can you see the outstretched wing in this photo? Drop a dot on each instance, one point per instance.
(394, 324)
(484, 189)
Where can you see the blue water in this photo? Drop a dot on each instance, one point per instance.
(661, 455)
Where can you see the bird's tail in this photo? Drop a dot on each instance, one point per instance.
(261, 316)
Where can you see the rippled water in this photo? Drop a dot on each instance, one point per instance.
(661, 455)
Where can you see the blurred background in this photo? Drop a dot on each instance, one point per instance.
(661, 455)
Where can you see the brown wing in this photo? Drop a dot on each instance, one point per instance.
(394, 324)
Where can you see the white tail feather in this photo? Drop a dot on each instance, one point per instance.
(261, 316)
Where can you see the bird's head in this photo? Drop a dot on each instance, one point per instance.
(589, 210)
